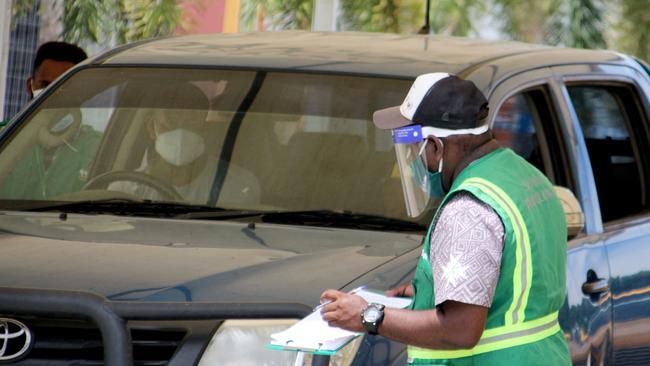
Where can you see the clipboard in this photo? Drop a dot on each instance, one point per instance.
(313, 335)
(329, 348)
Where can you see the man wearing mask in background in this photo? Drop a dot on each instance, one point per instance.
(52, 59)
(491, 277)
(64, 146)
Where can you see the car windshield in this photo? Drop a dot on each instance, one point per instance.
(233, 139)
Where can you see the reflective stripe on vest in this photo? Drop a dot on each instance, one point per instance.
(497, 338)
(523, 274)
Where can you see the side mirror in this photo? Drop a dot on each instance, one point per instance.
(575, 219)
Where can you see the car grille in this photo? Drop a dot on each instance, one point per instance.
(73, 342)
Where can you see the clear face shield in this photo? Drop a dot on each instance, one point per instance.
(411, 160)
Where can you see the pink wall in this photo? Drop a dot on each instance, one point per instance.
(202, 16)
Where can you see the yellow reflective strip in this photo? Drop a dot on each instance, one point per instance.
(492, 332)
(423, 353)
(547, 325)
(521, 281)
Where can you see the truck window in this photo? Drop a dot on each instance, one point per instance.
(526, 123)
(615, 136)
(514, 127)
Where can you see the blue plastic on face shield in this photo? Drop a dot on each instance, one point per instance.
(408, 135)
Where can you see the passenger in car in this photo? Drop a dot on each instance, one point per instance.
(491, 277)
(183, 154)
(57, 161)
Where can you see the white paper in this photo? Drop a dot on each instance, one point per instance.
(313, 332)
(379, 298)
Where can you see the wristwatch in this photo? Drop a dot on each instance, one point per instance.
(371, 317)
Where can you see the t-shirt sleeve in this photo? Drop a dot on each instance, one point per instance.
(466, 248)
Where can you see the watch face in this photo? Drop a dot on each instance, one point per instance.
(371, 314)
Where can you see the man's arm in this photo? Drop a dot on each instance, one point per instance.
(451, 325)
(458, 257)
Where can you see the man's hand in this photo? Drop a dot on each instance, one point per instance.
(405, 290)
(344, 311)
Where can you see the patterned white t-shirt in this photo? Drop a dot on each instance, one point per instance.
(465, 251)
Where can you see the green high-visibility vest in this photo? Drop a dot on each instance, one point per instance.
(522, 326)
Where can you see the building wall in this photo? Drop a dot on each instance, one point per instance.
(5, 21)
(23, 39)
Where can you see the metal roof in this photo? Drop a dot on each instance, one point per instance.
(343, 52)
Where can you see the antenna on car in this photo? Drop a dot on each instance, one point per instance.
(426, 28)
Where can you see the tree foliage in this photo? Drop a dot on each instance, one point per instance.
(523, 20)
(279, 14)
(634, 28)
(572, 23)
(110, 22)
(453, 17)
(371, 15)
(577, 23)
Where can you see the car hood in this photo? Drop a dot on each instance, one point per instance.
(180, 260)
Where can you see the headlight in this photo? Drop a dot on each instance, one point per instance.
(243, 343)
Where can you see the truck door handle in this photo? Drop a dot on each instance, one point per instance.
(595, 287)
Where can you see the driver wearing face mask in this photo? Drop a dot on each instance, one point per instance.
(183, 154)
(177, 156)
(179, 153)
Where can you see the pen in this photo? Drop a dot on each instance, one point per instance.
(353, 291)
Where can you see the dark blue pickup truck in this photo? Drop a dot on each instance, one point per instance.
(176, 201)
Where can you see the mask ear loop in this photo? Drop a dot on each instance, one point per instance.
(441, 160)
(424, 157)
(423, 146)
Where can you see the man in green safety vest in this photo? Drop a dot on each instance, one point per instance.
(491, 277)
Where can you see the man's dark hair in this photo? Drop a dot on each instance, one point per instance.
(58, 51)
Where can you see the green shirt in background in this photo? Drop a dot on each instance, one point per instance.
(38, 177)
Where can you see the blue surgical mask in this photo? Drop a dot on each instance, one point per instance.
(430, 183)
(435, 184)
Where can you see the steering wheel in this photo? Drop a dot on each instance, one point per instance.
(166, 191)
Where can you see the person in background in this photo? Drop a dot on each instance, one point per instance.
(52, 59)
(491, 278)
(58, 162)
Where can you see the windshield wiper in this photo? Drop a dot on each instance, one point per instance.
(120, 206)
(327, 218)
(342, 219)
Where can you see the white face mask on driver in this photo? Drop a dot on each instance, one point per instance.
(180, 147)
(36, 92)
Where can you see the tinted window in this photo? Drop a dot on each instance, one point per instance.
(514, 127)
(614, 135)
(228, 138)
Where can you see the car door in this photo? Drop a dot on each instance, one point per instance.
(610, 104)
(529, 116)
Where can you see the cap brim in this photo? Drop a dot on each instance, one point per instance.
(390, 118)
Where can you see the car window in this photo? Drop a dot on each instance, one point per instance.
(316, 146)
(615, 137)
(230, 138)
(515, 127)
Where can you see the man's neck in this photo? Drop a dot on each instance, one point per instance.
(479, 151)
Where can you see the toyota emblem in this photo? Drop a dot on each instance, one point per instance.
(15, 339)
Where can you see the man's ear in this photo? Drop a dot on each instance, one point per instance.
(28, 85)
(437, 147)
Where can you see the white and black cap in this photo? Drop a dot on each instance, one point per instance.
(442, 103)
